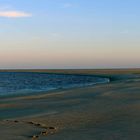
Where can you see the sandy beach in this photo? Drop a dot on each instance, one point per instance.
(109, 111)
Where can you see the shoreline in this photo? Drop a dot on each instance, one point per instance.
(104, 111)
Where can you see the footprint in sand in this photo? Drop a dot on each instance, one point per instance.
(47, 130)
(35, 137)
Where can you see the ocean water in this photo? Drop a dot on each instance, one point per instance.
(16, 83)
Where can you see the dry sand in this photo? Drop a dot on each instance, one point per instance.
(108, 111)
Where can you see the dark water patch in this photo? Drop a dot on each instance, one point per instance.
(17, 83)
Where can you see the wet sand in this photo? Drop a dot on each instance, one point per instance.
(108, 111)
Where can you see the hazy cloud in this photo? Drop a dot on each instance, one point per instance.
(56, 36)
(14, 14)
(68, 5)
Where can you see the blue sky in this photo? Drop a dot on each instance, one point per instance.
(69, 33)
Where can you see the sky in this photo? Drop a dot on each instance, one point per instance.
(57, 34)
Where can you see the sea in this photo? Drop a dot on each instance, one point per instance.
(20, 83)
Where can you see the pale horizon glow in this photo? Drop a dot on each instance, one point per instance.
(69, 34)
